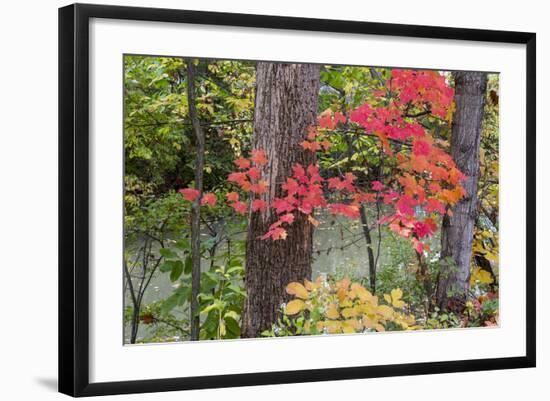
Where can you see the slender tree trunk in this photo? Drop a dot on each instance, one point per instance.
(370, 252)
(286, 105)
(458, 230)
(195, 209)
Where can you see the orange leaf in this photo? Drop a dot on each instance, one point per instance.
(298, 290)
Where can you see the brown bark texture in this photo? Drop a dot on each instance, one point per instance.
(458, 230)
(285, 106)
(195, 208)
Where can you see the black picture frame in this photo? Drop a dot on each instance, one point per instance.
(74, 198)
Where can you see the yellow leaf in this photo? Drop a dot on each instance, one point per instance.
(294, 306)
(385, 311)
(387, 297)
(310, 286)
(366, 309)
(348, 329)
(398, 304)
(368, 323)
(363, 294)
(480, 275)
(485, 277)
(297, 289)
(332, 311)
(374, 300)
(491, 256)
(333, 326)
(355, 324)
(343, 284)
(346, 303)
(379, 327)
(396, 294)
(342, 294)
(349, 312)
(450, 111)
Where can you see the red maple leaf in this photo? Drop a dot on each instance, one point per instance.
(260, 187)
(405, 205)
(276, 233)
(253, 173)
(242, 163)
(287, 218)
(209, 199)
(311, 145)
(240, 207)
(232, 196)
(258, 157)
(189, 194)
(377, 186)
(433, 205)
(421, 148)
(258, 204)
(351, 211)
(282, 205)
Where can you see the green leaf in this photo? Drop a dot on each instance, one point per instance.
(169, 303)
(183, 295)
(235, 269)
(236, 289)
(177, 270)
(188, 265)
(183, 244)
(232, 314)
(232, 326)
(217, 305)
(168, 253)
(166, 266)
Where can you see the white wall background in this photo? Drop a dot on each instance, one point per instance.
(28, 199)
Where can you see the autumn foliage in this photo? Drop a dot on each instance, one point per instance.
(326, 307)
(425, 181)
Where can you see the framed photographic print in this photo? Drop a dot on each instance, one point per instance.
(249, 199)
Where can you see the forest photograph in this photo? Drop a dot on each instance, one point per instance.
(274, 199)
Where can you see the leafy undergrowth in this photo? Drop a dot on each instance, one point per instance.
(331, 307)
(325, 307)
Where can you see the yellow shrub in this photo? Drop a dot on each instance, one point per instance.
(341, 307)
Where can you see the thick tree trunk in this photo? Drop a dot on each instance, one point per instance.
(195, 208)
(286, 105)
(458, 230)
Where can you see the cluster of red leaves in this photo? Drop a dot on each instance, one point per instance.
(316, 140)
(249, 180)
(190, 194)
(426, 179)
(419, 88)
(303, 193)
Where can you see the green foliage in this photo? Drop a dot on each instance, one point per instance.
(160, 326)
(222, 292)
(221, 300)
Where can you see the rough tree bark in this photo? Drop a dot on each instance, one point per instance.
(458, 231)
(195, 208)
(285, 106)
